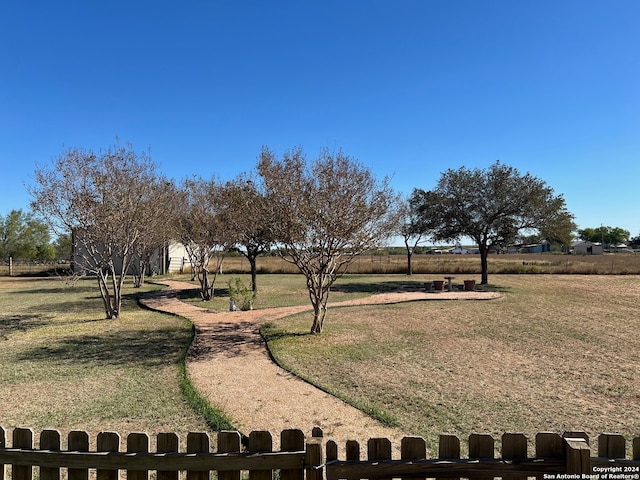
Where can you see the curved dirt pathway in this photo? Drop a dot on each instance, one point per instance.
(230, 365)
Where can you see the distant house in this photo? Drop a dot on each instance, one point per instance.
(587, 248)
(171, 258)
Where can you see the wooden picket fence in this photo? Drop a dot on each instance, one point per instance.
(556, 457)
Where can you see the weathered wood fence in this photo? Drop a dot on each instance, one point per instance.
(556, 457)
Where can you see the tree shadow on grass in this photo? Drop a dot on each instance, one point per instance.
(10, 324)
(493, 288)
(149, 349)
(194, 293)
(55, 290)
(22, 323)
(380, 287)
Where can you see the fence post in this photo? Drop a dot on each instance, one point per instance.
(578, 456)
(313, 459)
(11, 266)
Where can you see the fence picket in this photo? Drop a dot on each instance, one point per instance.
(260, 442)
(22, 438)
(137, 443)
(78, 441)
(481, 446)
(167, 443)
(108, 442)
(292, 441)
(449, 448)
(229, 442)
(50, 440)
(514, 445)
(413, 448)
(549, 445)
(198, 442)
(353, 451)
(611, 445)
(379, 449)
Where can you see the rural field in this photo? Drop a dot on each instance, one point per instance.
(611, 264)
(557, 353)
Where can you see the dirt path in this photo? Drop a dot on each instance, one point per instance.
(229, 365)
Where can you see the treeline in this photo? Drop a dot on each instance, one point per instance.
(24, 236)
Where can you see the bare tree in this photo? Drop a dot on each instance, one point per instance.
(162, 201)
(249, 217)
(107, 200)
(205, 230)
(325, 213)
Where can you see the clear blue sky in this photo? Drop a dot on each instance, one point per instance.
(408, 87)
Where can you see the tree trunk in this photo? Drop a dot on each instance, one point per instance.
(254, 274)
(319, 314)
(484, 269)
(409, 255)
(111, 301)
(206, 287)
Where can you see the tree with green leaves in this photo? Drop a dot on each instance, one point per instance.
(492, 207)
(605, 235)
(411, 228)
(24, 236)
(109, 201)
(324, 214)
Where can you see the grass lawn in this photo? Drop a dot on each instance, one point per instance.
(557, 353)
(63, 366)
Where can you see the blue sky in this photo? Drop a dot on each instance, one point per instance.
(409, 88)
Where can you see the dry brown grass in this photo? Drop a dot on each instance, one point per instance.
(610, 264)
(557, 353)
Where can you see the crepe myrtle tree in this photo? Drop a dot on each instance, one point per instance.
(492, 207)
(325, 213)
(248, 217)
(202, 225)
(108, 200)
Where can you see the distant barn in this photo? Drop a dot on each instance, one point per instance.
(587, 248)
